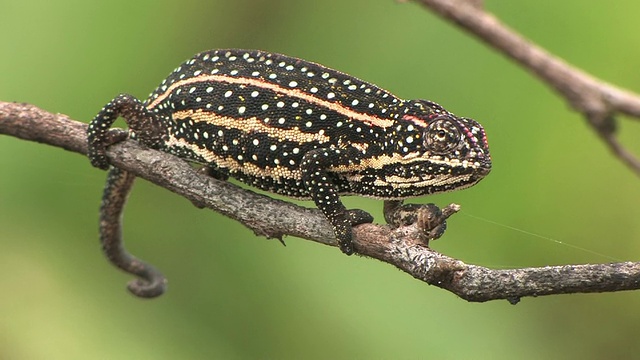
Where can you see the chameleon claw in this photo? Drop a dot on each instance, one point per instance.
(346, 247)
(98, 151)
(430, 219)
(431, 222)
(344, 231)
(357, 217)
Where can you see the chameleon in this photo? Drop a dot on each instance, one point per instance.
(290, 127)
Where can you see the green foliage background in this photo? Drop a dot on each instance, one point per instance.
(236, 296)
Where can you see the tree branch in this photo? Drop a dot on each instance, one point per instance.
(401, 247)
(597, 100)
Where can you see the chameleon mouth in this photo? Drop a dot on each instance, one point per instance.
(484, 170)
(485, 167)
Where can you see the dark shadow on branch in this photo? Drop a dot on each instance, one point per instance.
(401, 247)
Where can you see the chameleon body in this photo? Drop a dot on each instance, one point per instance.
(297, 128)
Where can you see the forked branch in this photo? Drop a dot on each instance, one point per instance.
(597, 100)
(401, 247)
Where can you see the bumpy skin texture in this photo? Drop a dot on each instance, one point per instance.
(299, 129)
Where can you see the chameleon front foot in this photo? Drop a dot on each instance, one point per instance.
(357, 217)
(430, 219)
(343, 229)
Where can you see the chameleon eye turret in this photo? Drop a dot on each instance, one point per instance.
(290, 127)
(442, 136)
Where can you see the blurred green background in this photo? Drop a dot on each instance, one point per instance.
(233, 295)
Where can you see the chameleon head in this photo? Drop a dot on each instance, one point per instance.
(441, 152)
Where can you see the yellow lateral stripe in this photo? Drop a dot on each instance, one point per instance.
(251, 125)
(226, 162)
(378, 162)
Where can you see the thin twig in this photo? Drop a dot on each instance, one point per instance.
(402, 247)
(597, 100)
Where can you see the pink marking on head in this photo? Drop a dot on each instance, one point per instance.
(469, 134)
(416, 120)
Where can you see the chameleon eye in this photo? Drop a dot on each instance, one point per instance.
(442, 136)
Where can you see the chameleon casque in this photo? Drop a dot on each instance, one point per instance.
(290, 127)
